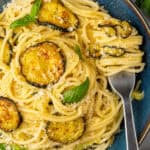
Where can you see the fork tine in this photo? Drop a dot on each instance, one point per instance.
(122, 83)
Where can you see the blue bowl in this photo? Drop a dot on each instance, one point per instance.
(126, 10)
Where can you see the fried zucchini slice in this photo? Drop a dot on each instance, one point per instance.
(57, 16)
(9, 115)
(110, 31)
(42, 64)
(97, 52)
(65, 132)
(113, 51)
(124, 30)
(7, 51)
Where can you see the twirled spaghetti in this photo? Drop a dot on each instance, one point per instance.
(97, 34)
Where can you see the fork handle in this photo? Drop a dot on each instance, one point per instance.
(131, 138)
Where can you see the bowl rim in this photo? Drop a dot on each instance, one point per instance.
(146, 25)
(140, 15)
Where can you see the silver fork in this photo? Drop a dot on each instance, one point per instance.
(123, 83)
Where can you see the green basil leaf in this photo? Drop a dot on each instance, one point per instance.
(35, 8)
(12, 147)
(76, 94)
(17, 147)
(78, 51)
(27, 19)
(2, 146)
(22, 22)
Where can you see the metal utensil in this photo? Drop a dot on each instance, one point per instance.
(123, 84)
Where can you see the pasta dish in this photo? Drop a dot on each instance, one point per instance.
(55, 57)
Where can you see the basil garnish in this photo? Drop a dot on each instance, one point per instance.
(35, 9)
(76, 94)
(78, 51)
(22, 22)
(11, 147)
(29, 18)
(2, 146)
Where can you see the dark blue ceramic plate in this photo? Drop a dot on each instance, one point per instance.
(125, 10)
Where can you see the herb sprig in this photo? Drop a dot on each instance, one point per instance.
(78, 51)
(4, 146)
(29, 18)
(76, 94)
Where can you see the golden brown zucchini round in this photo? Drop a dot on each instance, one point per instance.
(124, 30)
(9, 115)
(97, 51)
(66, 132)
(7, 53)
(57, 16)
(113, 51)
(42, 64)
(109, 30)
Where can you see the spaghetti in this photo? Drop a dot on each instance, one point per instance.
(97, 35)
